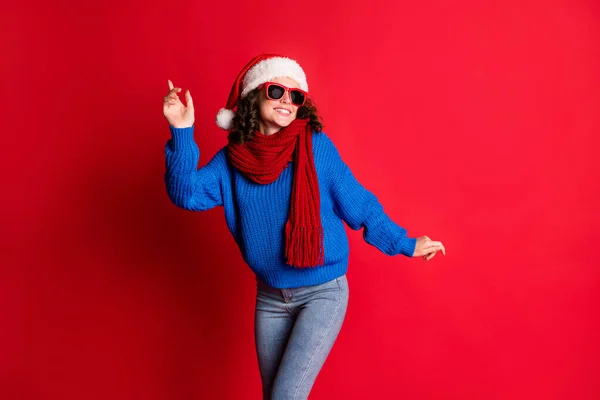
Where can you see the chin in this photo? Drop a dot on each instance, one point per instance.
(283, 122)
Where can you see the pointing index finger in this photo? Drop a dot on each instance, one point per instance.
(170, 84)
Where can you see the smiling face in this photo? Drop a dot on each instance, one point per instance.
(277, 114)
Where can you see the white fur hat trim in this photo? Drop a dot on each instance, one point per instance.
(270, 68)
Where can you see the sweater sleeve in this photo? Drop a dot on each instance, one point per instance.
(188, 187)
(360, 208)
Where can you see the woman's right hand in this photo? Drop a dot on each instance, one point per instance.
(178, 115)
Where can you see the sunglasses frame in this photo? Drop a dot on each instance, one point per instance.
(286, 89)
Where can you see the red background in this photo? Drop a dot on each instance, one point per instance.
(475, 123)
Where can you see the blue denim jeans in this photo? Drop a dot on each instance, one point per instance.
(295, 330)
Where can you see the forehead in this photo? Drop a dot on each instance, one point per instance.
(284, 80)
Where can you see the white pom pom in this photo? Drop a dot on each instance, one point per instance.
(225, 118)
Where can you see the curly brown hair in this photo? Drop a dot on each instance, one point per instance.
(247, 117)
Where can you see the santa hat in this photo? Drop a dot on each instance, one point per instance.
(259, 70)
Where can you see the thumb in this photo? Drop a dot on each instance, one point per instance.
(188, 100)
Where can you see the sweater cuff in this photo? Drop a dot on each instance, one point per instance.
(407, 246)
(183, 138)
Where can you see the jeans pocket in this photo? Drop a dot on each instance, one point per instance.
(341, 282)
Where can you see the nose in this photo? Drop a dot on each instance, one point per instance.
(286, 98)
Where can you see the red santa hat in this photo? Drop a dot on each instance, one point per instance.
(259, 70)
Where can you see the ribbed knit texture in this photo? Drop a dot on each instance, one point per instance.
(256, 214)
(261, 159)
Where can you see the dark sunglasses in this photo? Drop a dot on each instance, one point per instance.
(275, 91)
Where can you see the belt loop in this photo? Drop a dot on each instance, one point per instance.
(287, 294)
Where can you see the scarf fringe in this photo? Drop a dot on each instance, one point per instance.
(304, 246)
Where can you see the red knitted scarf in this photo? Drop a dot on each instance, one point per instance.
(262, 159)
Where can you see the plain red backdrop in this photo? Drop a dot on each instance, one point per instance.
(475, 123)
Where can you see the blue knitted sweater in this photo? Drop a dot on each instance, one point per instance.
(256, 214)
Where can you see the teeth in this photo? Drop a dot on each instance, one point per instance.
(283, 110)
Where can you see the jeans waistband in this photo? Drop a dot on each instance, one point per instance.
(266, 288)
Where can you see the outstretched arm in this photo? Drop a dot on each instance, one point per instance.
(359, 208)
(188, 187)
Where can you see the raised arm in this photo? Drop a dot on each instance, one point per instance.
(188, 187)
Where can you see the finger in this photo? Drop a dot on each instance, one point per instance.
(429, 249)
(170, 85)
(173, 94)
(440, 247)
(189, 101)
(173, 91)
(433, 244)
(430, 256)
(169, 102)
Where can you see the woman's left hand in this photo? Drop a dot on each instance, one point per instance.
(428, 248)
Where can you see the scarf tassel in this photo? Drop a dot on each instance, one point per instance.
(304, 246)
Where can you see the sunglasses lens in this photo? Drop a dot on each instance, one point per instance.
(275, 92)
(297, 97)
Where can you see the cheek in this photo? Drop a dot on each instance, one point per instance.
(264, 110)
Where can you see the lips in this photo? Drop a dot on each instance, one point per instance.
(283, 111)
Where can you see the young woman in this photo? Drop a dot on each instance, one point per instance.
(286, 194)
